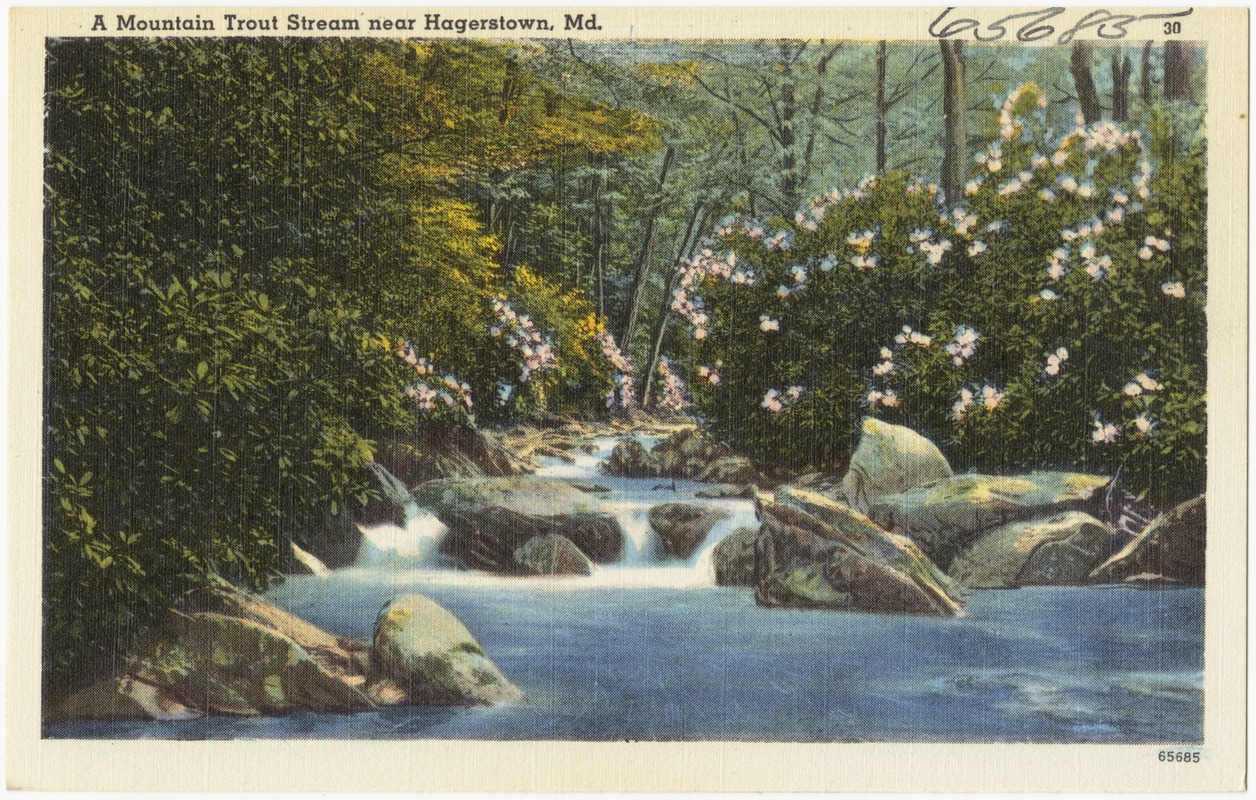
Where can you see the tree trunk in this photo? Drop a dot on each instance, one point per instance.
(1144, 77)
(789, 159)
(640, 275)
(882, 110)
(955, 118)
(1120, 87)
(1179, 66)
(597, 234)
(1087, 96)
(665, 305)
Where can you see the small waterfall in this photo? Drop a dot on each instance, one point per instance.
(414, 544)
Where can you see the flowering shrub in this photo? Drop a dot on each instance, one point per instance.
(436, 397)
(672, 393)
(1052, 319)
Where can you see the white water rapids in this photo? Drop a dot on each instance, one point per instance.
(395, 554)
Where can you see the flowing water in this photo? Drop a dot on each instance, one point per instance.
(651, 649)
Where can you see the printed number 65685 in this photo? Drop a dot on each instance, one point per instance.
(1191, 757)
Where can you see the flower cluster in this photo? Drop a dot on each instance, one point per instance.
(521, 335)
(776, 401)
(623, 394)
(888, 398)
(963, 345)
(687, 304)
(672, 395)
(1174, 289)
(1104, 432)
(989, 395)
(433, 391)
(711, 374)
(1151, 244)
(1096, 266)
(1056, 360)
(908, 336)
(1142, 383)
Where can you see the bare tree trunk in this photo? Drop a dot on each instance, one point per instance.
(1179, 64)
(599, 251)
(665, 305)
(1120, 87)
(882, 109)
(1087, 96)
(639, 281)
(1144, 76)
(955, 118)
(789, 159)
(817, 104)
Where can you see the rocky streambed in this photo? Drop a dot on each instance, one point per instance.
(568, 552)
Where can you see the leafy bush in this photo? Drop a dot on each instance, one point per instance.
(1055, 318)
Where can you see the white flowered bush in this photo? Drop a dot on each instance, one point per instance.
(1052, 318)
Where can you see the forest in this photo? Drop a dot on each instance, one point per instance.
(265, 257)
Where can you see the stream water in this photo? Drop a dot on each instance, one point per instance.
(651, 649)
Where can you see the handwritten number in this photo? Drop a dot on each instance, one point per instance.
(1106, 25)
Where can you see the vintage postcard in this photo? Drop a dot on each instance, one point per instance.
(619, 399)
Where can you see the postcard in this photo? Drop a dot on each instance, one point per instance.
(628, 399)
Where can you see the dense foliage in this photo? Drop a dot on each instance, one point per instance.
(266, 256)
(1055, 318)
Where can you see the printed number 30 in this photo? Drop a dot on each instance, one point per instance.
(1171, 28)
(1185, 758)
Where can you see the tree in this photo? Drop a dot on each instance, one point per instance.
(955, 120)
(1084, 82)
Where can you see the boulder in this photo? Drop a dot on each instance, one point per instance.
(684, 527)
(335, 540)
(552, 554)
(812, 551)
(630, 459)
(890, 459)
(452, 451)
(122, 698)
(692, 455)
(734, 558)
(1171, 549)
(1055, 551)
(220, 664)
(489, 519)
(433, 658)
(945, 515)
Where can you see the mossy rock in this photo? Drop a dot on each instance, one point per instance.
(734, 558)
(683, 527)
(1060, 550)
(489, 519)
(814, 551)
(888, 460)
(432, 656)
(630, 459)
(946, 515)
(552, 554)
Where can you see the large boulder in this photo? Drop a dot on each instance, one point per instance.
(433, 658)
(1060, 550)
(1171, 549)
(734, 558)
(552, 554)
(812, 551)
(945, 515)
(489, 519)
(630, 459)
(888, 460)
(683, 527)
